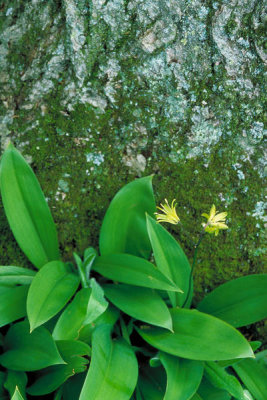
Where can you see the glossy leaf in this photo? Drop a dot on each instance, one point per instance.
(133, 270)
(50, 290)
(151, 383)
(183, 377)
(170, 259)
(97, 303)
(25, 351)
(12, 303)
(196, 397)
(109, 317)
(140, 303)
(254, 377)
(72, 319)
(221, 379)
(53, 377)
(72, 388)
(2, 390)
(124, 226)
(207, 391)
(198, 336)
(113, 370)
(239, 302)
(10, 275)
(16, 379)
(26, 209)
(254, 345)
(85, 308)
(17, 395)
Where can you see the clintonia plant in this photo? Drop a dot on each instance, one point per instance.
(118, 325)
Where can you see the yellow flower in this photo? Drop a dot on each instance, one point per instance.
(169, 213)
(215, 221)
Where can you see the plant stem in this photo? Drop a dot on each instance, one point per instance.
(193, 266)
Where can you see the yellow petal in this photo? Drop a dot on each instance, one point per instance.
(212, 211)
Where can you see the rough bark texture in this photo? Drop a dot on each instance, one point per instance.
(95, 93)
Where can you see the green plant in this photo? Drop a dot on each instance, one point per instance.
(129, 319)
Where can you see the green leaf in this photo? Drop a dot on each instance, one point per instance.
(16, 379)
(219, 378)
(53, 377)
(196, 336)
(170, 259)
(183, 376)
(113, 370)
(151, 383)
(140, 303)
(239, 302)
(10, 275)
(124, 226)
(228, 363)
(17, 395)
(133, 270)
(196, 397)
(85, 308)
(97, 303)
(254, 377)
(109, 317)
(25, 351)
(12, 303)
(26, 209)
(72, 388)
(207, 391)
(50, 290)
(2, 390)
(72, 319)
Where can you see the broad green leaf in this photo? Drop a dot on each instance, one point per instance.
(2, 390)
(53, 377)
(207, 391)
(25, 351)
(198, 336)
(196, 397)
(228, 363)
(10, 275)
(239, 302)
(72, 319)
(113, 370)
(12, 303)
(85, 308)
(183, 376)
(140, 303)
(170, 260)
(16, 379)
(151, 383)
(50, 290)
(133, 270)
(72, 388)
(58, 394)
(221, 379)
(254, 377)
(17, 395)
(261, 357)
(26, 209)
(109, 317)
(124, 226)
(97, 303)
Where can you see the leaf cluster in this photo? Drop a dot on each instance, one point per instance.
(118, 324)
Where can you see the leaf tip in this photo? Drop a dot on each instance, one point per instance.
(10, 145)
